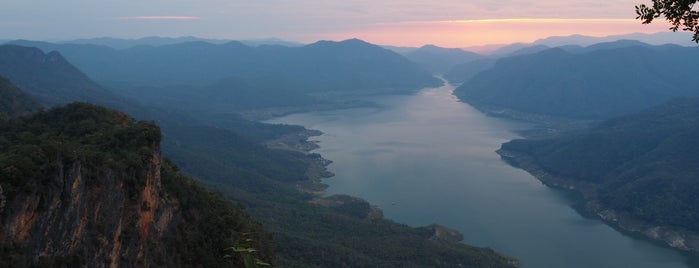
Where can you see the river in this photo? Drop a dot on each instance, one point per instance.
(428, 158)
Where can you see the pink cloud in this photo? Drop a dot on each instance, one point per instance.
(160, 18)
(462, 33)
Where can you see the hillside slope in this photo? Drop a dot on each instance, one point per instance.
(438, 60)
(598, 84)
(199, 73)
(14, 102)
(49, 77)
(638, 171)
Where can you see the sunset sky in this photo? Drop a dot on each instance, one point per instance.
(449, 23)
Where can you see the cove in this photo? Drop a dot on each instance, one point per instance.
(428, 158)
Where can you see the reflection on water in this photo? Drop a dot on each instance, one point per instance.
(428, 158)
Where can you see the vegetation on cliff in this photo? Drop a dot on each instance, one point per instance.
(228, 153)
(84, 185)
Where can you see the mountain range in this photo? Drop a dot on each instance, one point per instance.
(120, 43)
(191, 72)
(438, 60)
(595, 82)
(223, 151)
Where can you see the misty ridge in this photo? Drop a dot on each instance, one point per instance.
(614, 120)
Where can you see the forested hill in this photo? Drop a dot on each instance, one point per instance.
(639, 171)
(320, 67)
(49, 77)
(85, 186)
(14, 102)
(590, 84)
(231, 77)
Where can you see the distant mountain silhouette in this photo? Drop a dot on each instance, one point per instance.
(660, 38)
(640, 167)
(438, 60)
(49, 77)
(463, 72)
(590, 85)
(320, 67)
(120, 43)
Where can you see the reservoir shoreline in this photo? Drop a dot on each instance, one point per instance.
(668, 236)
(428, 158)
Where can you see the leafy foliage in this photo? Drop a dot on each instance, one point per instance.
(209, 224)
(680, 13)
(34, 147)
(108, 143)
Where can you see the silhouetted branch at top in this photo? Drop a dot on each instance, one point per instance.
(680, 13)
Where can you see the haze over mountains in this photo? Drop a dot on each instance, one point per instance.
(595, 82)
(630, 168)
(224, 151)
(56, 82)
(298, 75)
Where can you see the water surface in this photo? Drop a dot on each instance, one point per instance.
(428, 158)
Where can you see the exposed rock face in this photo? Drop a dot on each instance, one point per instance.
(86, 214)
(85, 186)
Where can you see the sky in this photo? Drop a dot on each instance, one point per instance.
(448, 23)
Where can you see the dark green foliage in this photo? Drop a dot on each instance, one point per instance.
(34, 147)
(643, 164)
(596, 84)
(216, 153)
(209, 224)
(104, 141)
(251, 130)
(680, 13)
(14, 102)
(310, 236)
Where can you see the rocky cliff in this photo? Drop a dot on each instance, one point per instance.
(83, 185)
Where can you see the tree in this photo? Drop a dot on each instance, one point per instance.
(680, 13)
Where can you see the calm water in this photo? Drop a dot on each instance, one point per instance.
(427, 158)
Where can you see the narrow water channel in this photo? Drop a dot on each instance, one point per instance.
(428, 158)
